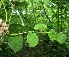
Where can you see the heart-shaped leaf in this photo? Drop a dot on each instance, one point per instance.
(15, 43)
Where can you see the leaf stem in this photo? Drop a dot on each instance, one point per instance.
(27, 32)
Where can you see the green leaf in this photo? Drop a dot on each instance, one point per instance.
(0, 49)
(41, 27)
(47, 2)
(61, 38)
(37, 0)
(21, 0)
(67, 44)
(2, 41)
(49, 12)
(15, 43)
(16, 28)
(52, 35)
(41, 20)
(32, 39)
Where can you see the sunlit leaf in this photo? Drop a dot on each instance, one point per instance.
(32, 39)
(49, 12)
(52, 35)
(41, 27)
(47, 2)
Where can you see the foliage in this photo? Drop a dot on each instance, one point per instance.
(52, 35)
(41, 27)
(32, 39)
(15, 43)
(60, 37)
(36, 28)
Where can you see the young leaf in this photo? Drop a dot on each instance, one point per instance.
(41, 27)
(15, 43)
(32, 39)
(52, 35)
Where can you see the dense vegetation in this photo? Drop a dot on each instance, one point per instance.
(34, 28)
